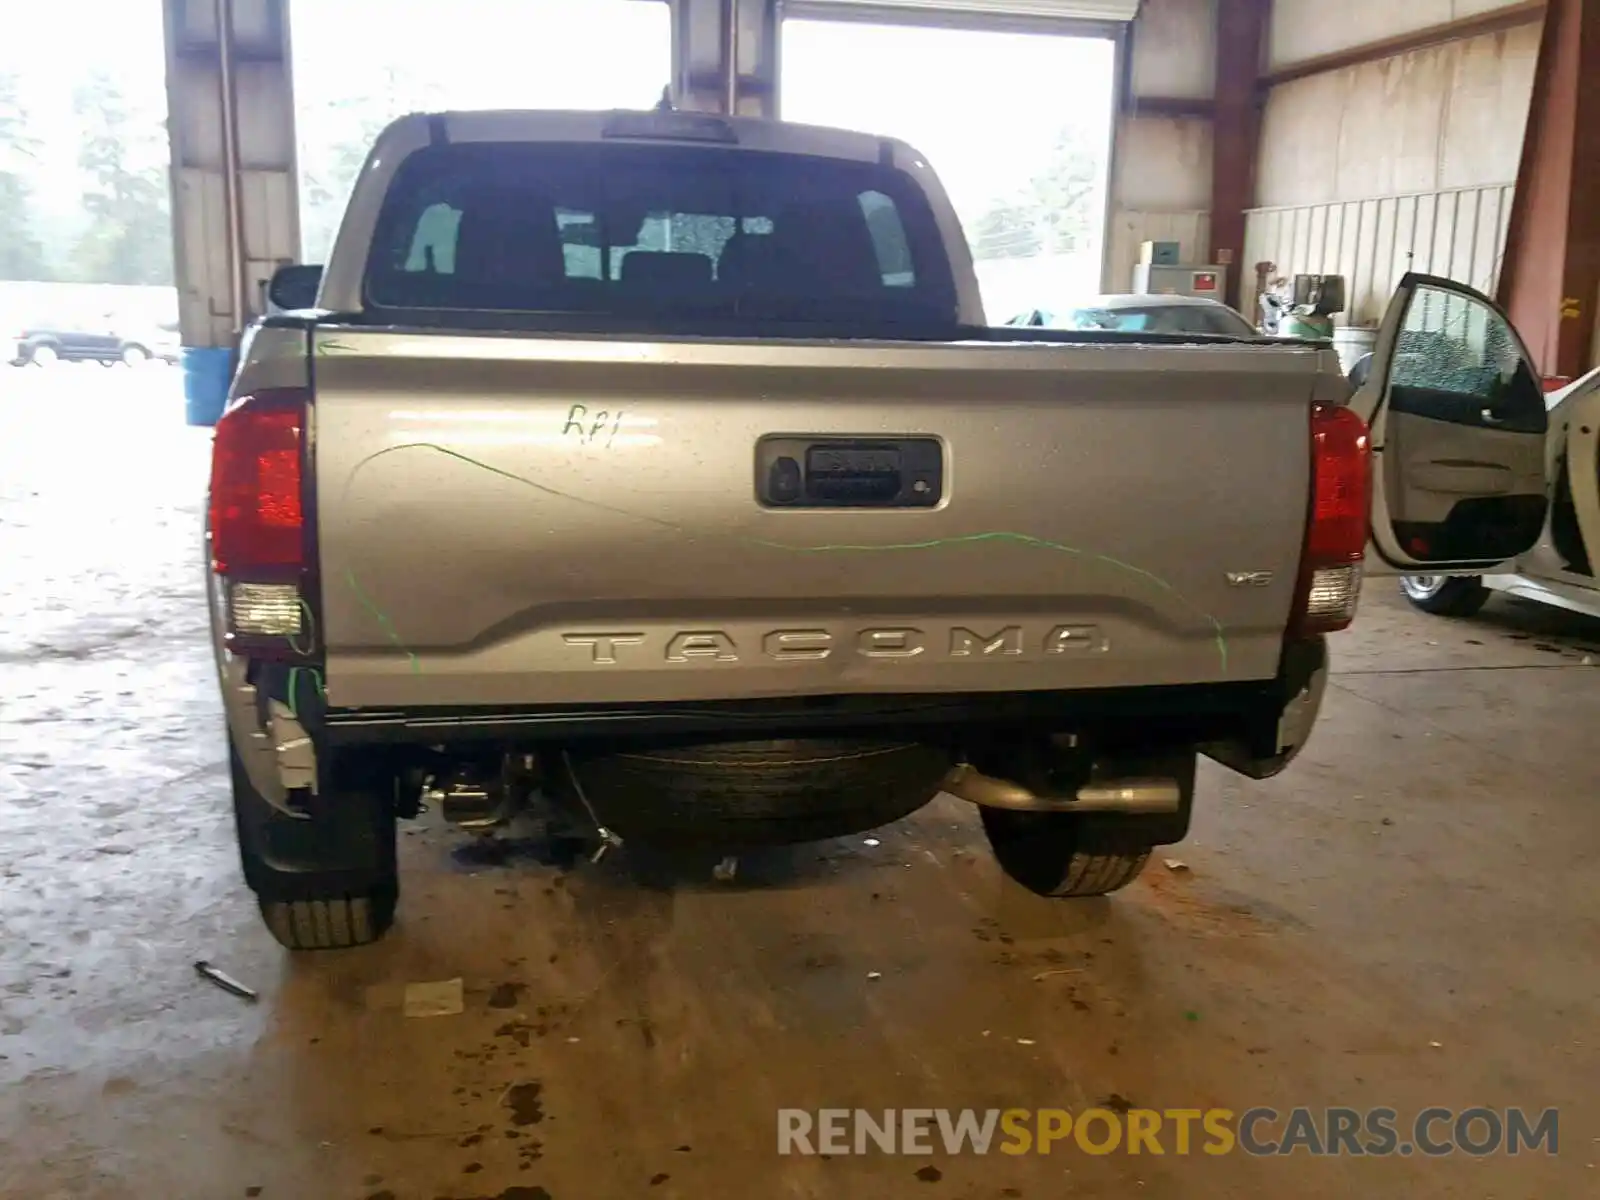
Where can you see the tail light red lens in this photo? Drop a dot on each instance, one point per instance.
(257, 508)
(1337, 528)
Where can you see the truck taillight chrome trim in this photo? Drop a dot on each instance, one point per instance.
(1336, 529)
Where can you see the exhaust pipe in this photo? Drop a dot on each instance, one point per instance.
(470, 800)
(1131, 794)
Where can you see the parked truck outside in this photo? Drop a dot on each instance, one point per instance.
(662, 470)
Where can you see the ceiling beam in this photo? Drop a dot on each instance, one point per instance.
(1201, 107)
(1498, 20)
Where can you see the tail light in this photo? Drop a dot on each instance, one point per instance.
(1336, 529)
(258, 524)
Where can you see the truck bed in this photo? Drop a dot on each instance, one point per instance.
(522, 520)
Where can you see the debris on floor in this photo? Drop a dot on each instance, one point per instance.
(224, 981)
(725, 870)
(440, 998)
(1175, 864)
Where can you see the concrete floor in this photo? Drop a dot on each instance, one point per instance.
(1409, 918)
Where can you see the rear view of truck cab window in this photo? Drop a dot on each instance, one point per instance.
(634, 230)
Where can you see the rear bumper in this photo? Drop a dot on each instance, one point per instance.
(1193, 713)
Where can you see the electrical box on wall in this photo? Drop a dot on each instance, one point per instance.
(1163, 254)
(1210, 281)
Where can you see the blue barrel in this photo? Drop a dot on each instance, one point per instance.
(207, 372)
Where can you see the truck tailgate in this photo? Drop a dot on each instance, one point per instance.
(524, 520)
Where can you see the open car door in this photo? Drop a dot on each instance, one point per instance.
(1460, 481)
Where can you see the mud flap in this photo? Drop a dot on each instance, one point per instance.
(1282, 724)
(344, 844)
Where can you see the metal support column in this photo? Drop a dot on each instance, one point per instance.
(725, 56)
(1550, 275)
(1236, 131)
(235, 200)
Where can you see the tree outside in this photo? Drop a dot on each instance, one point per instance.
(1055, 213)
(335, 136)
(22, 254)
(123, 156)
(122, 232)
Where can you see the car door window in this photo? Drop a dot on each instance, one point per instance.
(1457, 360)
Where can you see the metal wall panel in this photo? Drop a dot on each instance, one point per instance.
(236, 206)
(968, 11)
(1303, 29)
(1130, 227)
(1443, 118)
(1174, 49)
(1160, 187)
(1160, 191)
(1459, 234)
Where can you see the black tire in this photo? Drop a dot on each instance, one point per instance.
(1056, 855)
(329, 882)
(1445, 597)
(336, 924)
(757, 793)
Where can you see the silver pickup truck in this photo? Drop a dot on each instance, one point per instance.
(659, 471)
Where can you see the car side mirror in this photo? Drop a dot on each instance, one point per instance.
(295, 287)
(1360, 370)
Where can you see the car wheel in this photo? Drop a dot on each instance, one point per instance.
(44, 356)
(328, 882)
(1445, 595)
(135, 356)
(1054, 854)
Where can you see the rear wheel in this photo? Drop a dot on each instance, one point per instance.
(44, 356)
(1445, 595)
(757, 793)
(135, 356)
(333, 924)
(1062, 854)
(328, 881)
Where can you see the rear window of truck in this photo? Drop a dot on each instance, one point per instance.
(675, 232)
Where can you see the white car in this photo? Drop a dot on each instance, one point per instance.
(1561, 568)
(1134, 313)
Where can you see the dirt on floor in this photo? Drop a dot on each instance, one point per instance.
(1408, 919)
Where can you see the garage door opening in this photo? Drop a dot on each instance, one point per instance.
(85, 211)
(1017, 125)
(359, 64)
